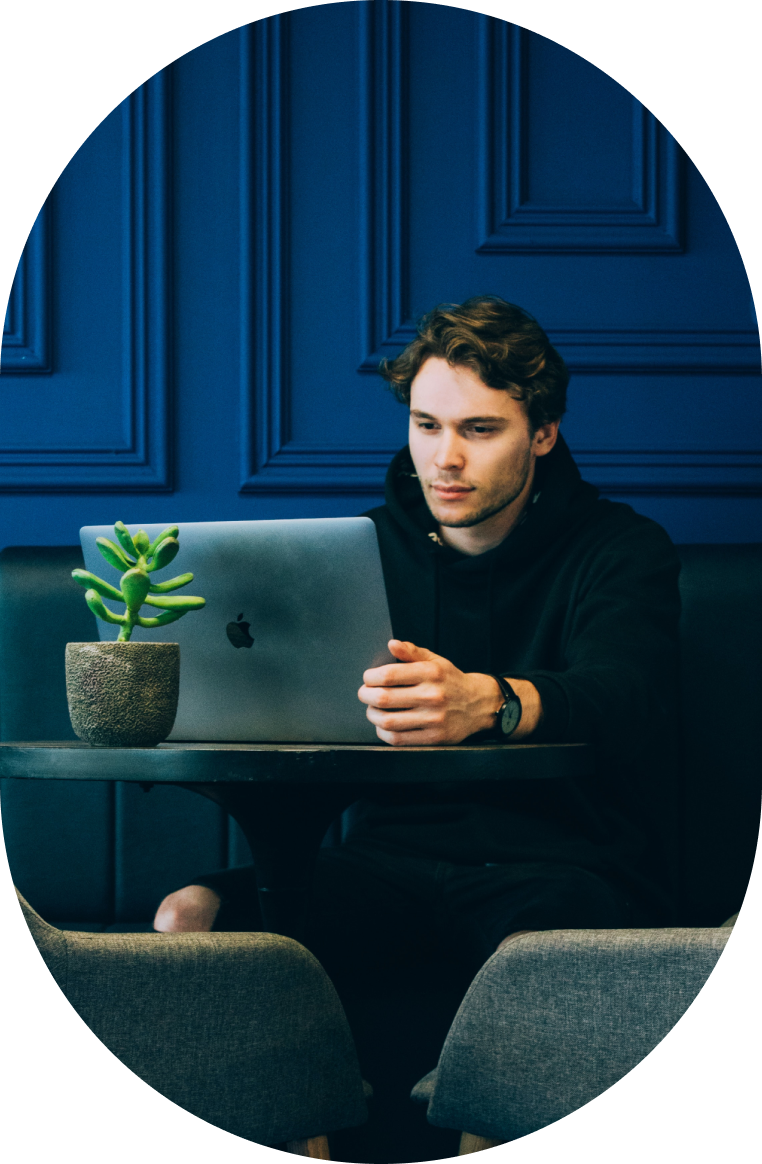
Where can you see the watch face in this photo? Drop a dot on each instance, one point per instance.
(510, 715)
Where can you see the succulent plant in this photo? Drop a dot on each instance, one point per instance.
(137, 558)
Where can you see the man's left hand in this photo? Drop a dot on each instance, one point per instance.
(425, 699)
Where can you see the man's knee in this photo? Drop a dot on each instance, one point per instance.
(188, 910)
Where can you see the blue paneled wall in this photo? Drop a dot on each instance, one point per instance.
(198, 313)
(197, 318)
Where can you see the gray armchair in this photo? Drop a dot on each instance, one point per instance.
(243, 1030)
(554, 1019)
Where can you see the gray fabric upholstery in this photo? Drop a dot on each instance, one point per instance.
(555, 1018)
(243, 1030)
(423, 1092)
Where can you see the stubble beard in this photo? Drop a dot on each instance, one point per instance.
(494, 505)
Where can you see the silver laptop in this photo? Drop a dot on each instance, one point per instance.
(295, 612)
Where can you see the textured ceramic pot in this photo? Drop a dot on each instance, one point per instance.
(122, 694)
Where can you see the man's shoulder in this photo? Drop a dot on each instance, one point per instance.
(374, 513)
(614, 517)
(613, 529)
(382, 517)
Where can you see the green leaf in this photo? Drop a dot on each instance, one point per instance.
(123, 536)
(171, 584)
(170, 532)
(183, 602)
(88, 580)
(142, 541)
(135, 586)
(114, 554)
(162, 619)
(95, 602)
(166, 553)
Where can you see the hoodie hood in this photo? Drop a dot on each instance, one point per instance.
(560, 499)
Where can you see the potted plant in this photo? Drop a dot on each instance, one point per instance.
(123, 693)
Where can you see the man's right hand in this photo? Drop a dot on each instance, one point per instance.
(424, 699)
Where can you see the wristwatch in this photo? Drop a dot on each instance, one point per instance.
(509, 715)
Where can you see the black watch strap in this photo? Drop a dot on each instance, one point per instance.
(509, 714)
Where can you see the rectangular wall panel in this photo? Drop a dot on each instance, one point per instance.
(547, 119)
(384, 97)
(26, 331)
(701, 447)
(100, 420)
(272, 461)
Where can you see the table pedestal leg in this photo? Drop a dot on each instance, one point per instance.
(284, 825)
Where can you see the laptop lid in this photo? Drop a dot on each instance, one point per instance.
(295, 612)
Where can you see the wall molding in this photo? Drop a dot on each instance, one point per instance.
(729, 352)
(509, 223)
(695, 473)
(271, 462)
(143, 462)
(26, 331)
(653, 225)
(666, 472)
(385, 188)
(264, 237)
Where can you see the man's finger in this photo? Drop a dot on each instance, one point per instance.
(401, 721)
(426, 737)
(397, 697)
(410, 653)
(385, 696)
(396, 675)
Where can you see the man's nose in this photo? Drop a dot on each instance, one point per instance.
(449, 454)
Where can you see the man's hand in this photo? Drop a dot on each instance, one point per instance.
(425, 699)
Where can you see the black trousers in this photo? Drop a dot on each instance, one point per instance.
(377, 912)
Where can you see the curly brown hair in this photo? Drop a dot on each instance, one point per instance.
(499, 341)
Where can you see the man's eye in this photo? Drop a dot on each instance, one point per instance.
(481, 428)
(429, 424)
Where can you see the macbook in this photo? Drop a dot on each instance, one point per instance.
(295, 612)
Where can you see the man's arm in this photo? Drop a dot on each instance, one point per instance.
(424, 699)
(613, 682)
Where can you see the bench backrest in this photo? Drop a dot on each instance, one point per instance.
(721, 692)
(105, 852)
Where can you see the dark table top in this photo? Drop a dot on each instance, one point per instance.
(184, 763)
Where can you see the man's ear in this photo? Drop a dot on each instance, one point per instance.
(544, 438)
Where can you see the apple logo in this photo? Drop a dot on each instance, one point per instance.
(238, 633)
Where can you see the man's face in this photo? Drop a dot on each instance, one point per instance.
(471, 445)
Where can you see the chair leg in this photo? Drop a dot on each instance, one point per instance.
(470, 1143)
(316, 1146)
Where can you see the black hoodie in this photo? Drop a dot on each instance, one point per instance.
(581, 599)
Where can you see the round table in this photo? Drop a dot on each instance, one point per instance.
(284, 796)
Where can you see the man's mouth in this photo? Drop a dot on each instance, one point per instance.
(450, 492)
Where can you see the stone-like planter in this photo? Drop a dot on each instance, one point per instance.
(122, 694)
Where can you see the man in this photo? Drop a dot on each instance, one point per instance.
(525, 608)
